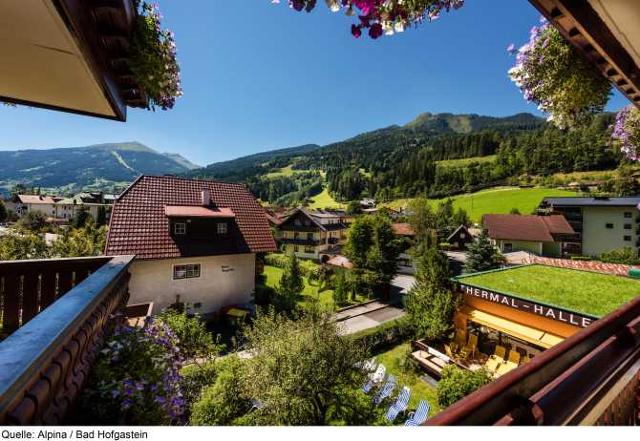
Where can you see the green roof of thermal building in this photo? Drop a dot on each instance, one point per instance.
(585, 292)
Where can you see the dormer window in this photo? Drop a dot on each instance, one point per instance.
(222, 228)
(180, 228)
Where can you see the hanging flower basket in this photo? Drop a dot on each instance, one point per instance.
(551, 73)
(382, 16)
(626, 132)
(153, 58)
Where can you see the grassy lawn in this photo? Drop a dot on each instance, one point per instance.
(497, 200)
(284, 171)
(324, 200)
(580, 291)
(465, 161)
(310, 292)
(420, 390)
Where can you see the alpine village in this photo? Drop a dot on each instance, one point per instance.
(457, 269)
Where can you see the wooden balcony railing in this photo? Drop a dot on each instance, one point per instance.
(29, 286)
(592, 377)
(45, 362)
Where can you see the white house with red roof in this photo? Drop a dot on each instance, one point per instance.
(541, 235)
(195, 242)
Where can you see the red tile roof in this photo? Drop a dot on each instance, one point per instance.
(403, 229)
(528, 228)
(139, 225)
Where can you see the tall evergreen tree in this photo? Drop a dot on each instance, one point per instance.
(431, 302)
(4, 214)
(291, 284)
(483, 256)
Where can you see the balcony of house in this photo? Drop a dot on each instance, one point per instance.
(591, 378)
(54, 314)
(304, 241)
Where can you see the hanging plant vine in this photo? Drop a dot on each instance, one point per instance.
(551, 73)
(381, 17)
(153, 58)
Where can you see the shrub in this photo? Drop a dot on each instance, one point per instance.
(384, 336)
(457, 383)
(626, 256)
(194, 340)
(195, 378)
(135, 379)
(445, 246)
(223, 401)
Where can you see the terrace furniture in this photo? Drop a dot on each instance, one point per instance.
(385, 391)
(496, 359)
(470, 348)
(460, 339)
(400, 405)
(431, 360)
(512, 362)
(421, 414)
(448, 351)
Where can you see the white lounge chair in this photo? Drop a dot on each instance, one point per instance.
(421, 414)
(385, 391)
(400, 405)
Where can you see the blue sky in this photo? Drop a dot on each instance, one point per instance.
(258, 76)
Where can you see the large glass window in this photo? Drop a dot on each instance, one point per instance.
(190, 271)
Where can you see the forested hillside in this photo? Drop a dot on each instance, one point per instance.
(76, 168)
(416, 159)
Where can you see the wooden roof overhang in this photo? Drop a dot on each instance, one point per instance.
(69, 55)
(600, 35)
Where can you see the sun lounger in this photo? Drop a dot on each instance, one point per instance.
(374, 378)
(379, 374)
(470, 348)
(385, 391)
(400, 405)
(421, 414)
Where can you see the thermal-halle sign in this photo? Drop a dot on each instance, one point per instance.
(560, 315)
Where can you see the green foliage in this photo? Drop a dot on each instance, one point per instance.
(554, 75)
(86, 241)
(101, 218)
(431, 302)
(290, 286)
(81, 217)
(373, 250)
(223, 401)
(4, 214)
(457, 383)
(514, 211)
(194, 340)
(626, 256)
(195, 378)
(384, 336)
(483, 256)
(303, 372)
(341, 289)
(354, 208)
(33, 221)
(135, 379)
(22, 247)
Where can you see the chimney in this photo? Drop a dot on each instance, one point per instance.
(206, 197)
